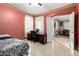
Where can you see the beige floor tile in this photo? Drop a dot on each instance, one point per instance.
(51, 49)
(38, 49)
(62, 50)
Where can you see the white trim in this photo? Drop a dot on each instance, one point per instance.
(29, 52)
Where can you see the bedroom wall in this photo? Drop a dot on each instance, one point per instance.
(11, 21)
(77, 22)
(63, 11)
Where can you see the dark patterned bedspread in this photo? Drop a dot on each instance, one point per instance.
(13, 47)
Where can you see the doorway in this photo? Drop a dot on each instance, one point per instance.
(61, 28)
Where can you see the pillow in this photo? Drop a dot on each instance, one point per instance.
(4, 36)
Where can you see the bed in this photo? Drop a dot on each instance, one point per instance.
(13, 47)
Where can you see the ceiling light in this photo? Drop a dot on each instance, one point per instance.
(35, 4)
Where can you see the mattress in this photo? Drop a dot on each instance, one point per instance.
(13, 47)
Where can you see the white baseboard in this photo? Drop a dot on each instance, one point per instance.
(29, 52)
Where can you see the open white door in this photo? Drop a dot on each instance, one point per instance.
(49, 29)
(53, 31)
(71, 16)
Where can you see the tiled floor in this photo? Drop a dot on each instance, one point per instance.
(38, 49)
(51, 49)
(63, 40)
(62, 50)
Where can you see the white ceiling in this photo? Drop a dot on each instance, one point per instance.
(38, 9)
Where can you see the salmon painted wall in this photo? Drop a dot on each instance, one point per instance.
(11, 21)
(62, 11)
(77, 22)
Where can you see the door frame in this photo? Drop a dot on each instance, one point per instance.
(71, 44)
(72, 30)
